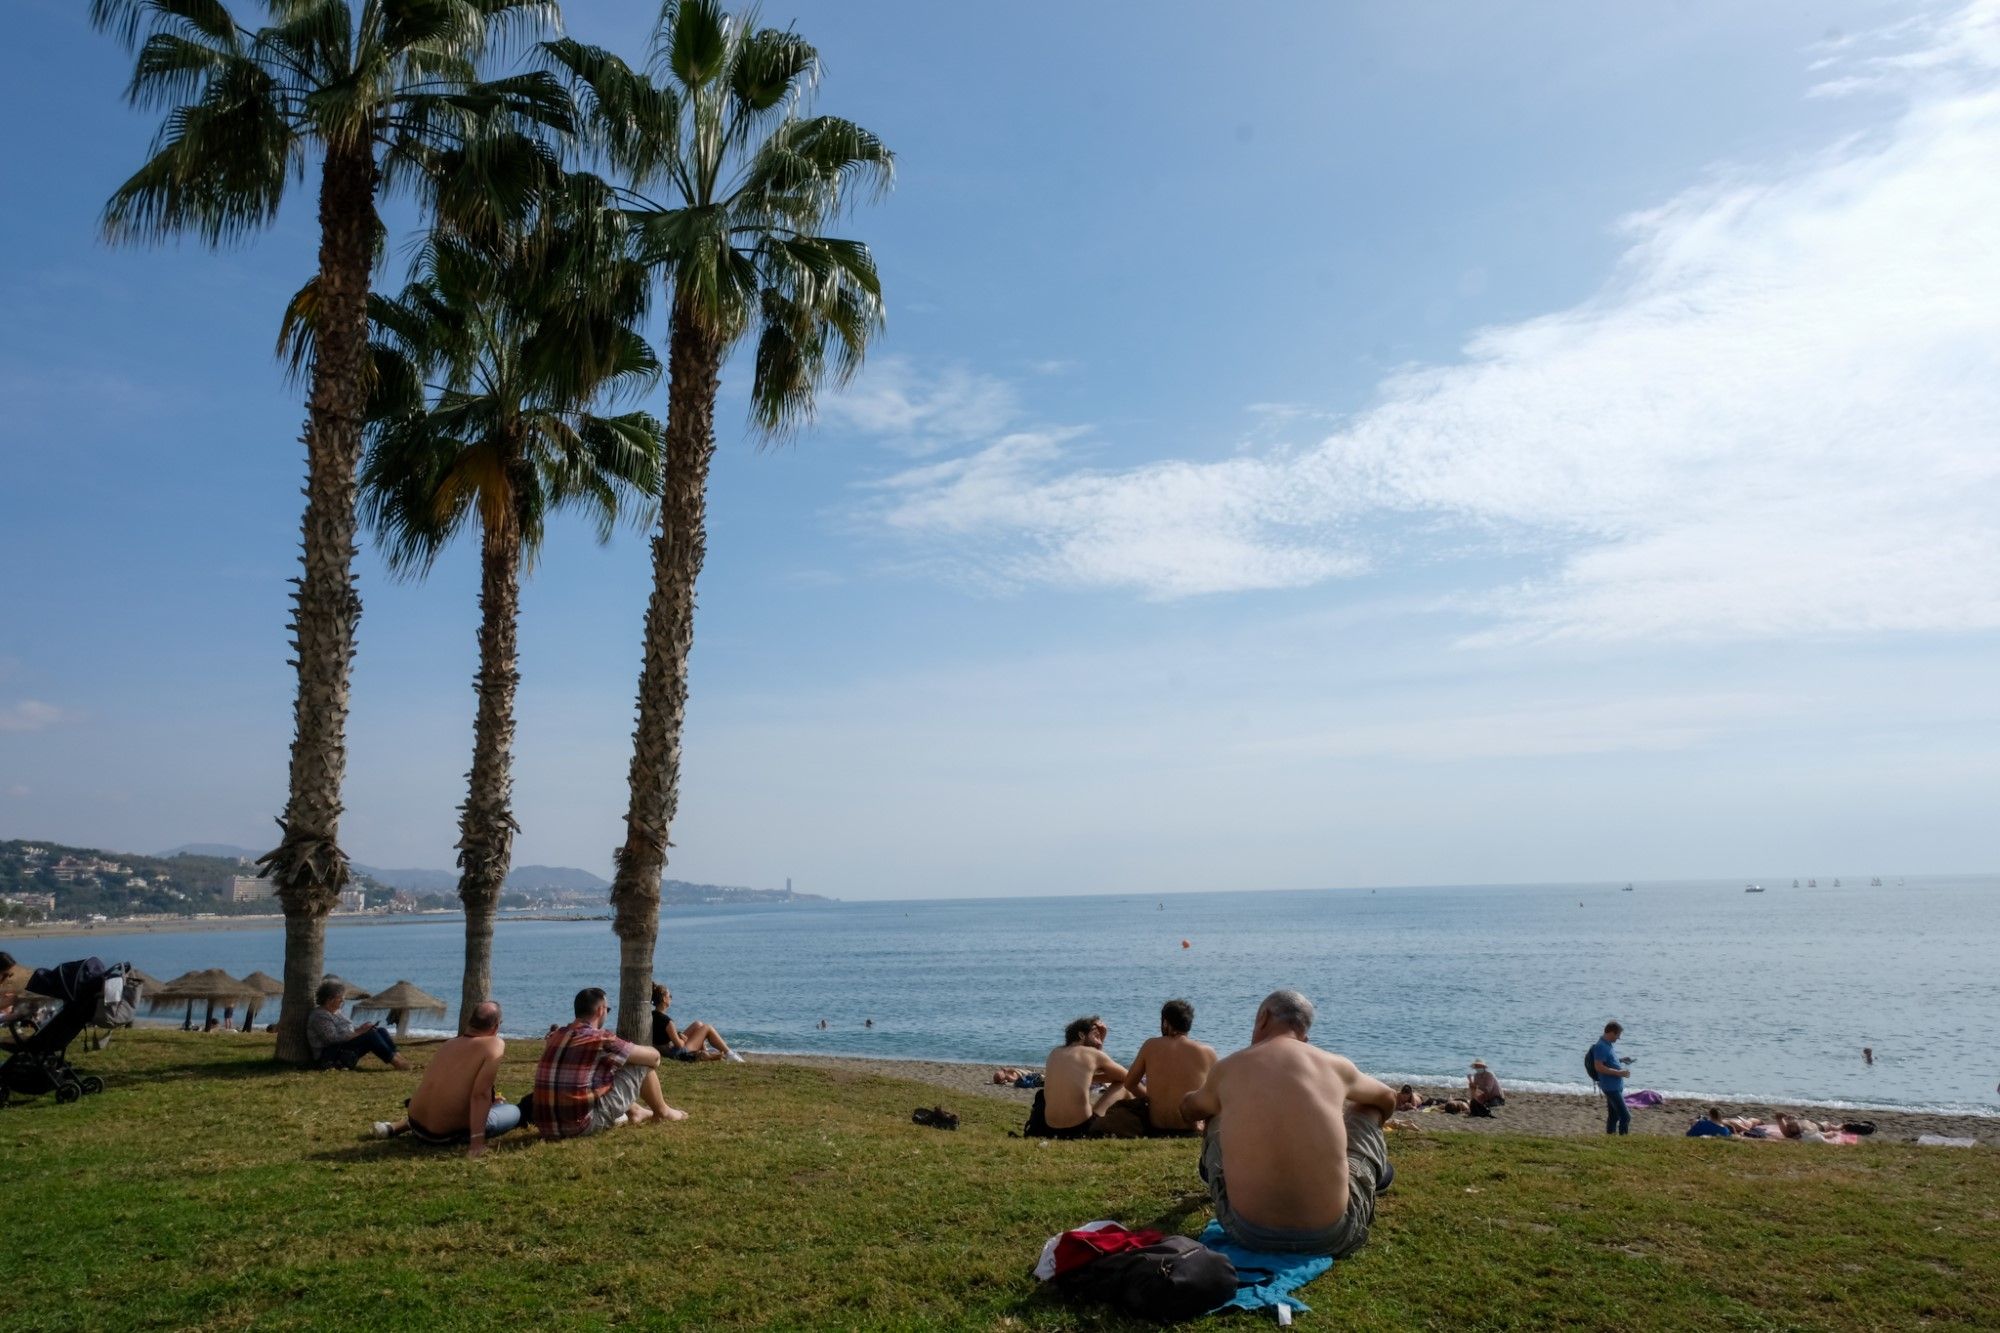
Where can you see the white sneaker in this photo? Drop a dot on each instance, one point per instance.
(737, 1058)
(383, 1129)
(621, 1122)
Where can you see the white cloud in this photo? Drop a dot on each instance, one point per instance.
(924, 414)
(1777, 417)
(29, 715)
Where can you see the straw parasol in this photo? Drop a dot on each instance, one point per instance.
(267, 987)
(138, 976)
(399, 1001)
(209, 985)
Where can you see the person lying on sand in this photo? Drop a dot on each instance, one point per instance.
(590, 1080)
(1294, 1154)
(1409, 1099)
(1710, 1126)
(1168, 1068)
(455, 1102)
(1063, 1108)
(698, 1041)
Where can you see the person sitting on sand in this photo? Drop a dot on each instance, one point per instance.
(590, 1080)
(1294, 1154)
(1063, 1108)
(1409, 1099)
(1167, 1068)
(1483, 1089)
(333, 1036)
(698, 1041)
(1710, 1126)
(455, 1102)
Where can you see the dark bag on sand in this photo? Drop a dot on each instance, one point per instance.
(1173, 1280)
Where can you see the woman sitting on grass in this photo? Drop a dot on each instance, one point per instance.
(698, 1041)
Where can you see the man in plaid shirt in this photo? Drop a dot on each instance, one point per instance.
(589, 1080)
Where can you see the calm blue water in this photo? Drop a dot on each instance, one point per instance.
(1765, 996)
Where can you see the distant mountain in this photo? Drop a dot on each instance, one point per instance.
(416, 880)
(529, 879)
(227, 851)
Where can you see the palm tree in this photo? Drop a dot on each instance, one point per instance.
(487, 367)
(728, 185)
(378, 90)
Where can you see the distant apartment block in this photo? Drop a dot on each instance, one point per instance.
(251, 889)
(353, 900)
(43, 902)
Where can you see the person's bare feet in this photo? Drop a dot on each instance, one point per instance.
(673, 1113)
(400, 1062)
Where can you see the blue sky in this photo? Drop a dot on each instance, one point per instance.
(1338, 445)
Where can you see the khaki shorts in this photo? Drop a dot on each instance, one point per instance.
(617, 1098)
(1367, 1159)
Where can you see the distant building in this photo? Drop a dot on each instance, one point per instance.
(353, 900)
(44, 902)
(251, 889)
(136, 882)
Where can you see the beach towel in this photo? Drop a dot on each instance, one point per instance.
(1644, 1097)
(1264, 1280)
(1945, 1141)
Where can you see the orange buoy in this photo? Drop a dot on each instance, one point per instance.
(1186, 945)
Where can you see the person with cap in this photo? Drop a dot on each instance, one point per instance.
(1482, 1089)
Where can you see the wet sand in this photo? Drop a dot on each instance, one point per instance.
(1547, 1114)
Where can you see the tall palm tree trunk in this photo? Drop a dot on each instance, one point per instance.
(308, 866)
(486, 822)
(694, 363)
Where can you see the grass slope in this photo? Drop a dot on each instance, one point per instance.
(206, 1189)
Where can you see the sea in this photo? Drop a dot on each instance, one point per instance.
(1757, 996)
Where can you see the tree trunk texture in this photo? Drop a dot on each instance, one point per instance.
(694, 361)
(308, 866)
(486, 824)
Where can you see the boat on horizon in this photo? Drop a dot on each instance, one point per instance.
(1812, 883)
(1626, 889)
(1836, 884)
(1753, 888)
(1795, 884)
(1875, 883)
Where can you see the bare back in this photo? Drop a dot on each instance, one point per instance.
(1284, 1136)
(1066, 1080)
(1172, 1068)
(444, 1095)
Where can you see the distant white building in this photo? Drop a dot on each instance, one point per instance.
(251, 889)
(43, 902)
(353, 900)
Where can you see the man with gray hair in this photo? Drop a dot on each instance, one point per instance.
(1293, 1153)
(455, 1102)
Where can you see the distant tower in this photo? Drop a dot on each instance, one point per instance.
(788, 886)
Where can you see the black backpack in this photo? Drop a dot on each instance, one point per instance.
(1176, 1279)
(1590, 1066)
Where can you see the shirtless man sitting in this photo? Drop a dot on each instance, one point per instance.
(1168, 1068)
(1294, 1154)
(1063, 1109)
(455, 1101)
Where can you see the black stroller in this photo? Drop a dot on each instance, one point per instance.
(90, 994)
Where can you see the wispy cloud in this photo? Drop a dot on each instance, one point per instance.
(30, 715)
(1774, 418)
(924, 414)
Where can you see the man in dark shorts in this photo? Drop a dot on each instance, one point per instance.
(455, 1104)
(1293, 1153)
(1063, 1107)
(1167, 1068)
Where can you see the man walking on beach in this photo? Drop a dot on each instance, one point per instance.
(1294, 1154)
(1063, 1109)
(1610, 1073)
(455, 1101)
(590, 1080)
(1168, 1068)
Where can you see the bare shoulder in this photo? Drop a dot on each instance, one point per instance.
(1340, 1064)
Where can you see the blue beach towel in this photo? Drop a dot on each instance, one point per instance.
(1263, 1280)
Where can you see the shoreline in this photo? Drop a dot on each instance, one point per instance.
(1539, 1114)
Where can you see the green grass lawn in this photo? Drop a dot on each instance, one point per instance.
(207, 1189)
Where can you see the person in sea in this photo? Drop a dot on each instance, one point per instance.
(1710, 1126)
(1293, 1152)
(456, 1103)
(697, 1041)
(1610, 1072)
(1063, 1108)
(332, 1035)
(1167, 1068)
(1482, 1090)
(590, 1080)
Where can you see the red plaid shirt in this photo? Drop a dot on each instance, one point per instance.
(577, 1065)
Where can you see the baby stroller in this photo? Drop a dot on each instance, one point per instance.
(90, 993)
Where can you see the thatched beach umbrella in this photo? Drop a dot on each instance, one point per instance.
(267, 987)
(140, 977)
(208, 985)
(399, 1001)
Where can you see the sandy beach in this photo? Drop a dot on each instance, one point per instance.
(183, 925)
(1538, 1113)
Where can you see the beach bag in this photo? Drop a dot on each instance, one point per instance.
(1590, 1067)
(1170, 1280)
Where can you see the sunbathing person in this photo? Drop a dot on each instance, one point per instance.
(1409, 1099)
(1294, 1154)
(332, 1035)
(1710, 1126)
(1167, 1068)
(590, 1080)
(1063, 1108)
(455, 1101)
(698, 1041)
(1483, 1089)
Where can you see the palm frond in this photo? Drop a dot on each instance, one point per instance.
(692, 40)
(219, 167)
